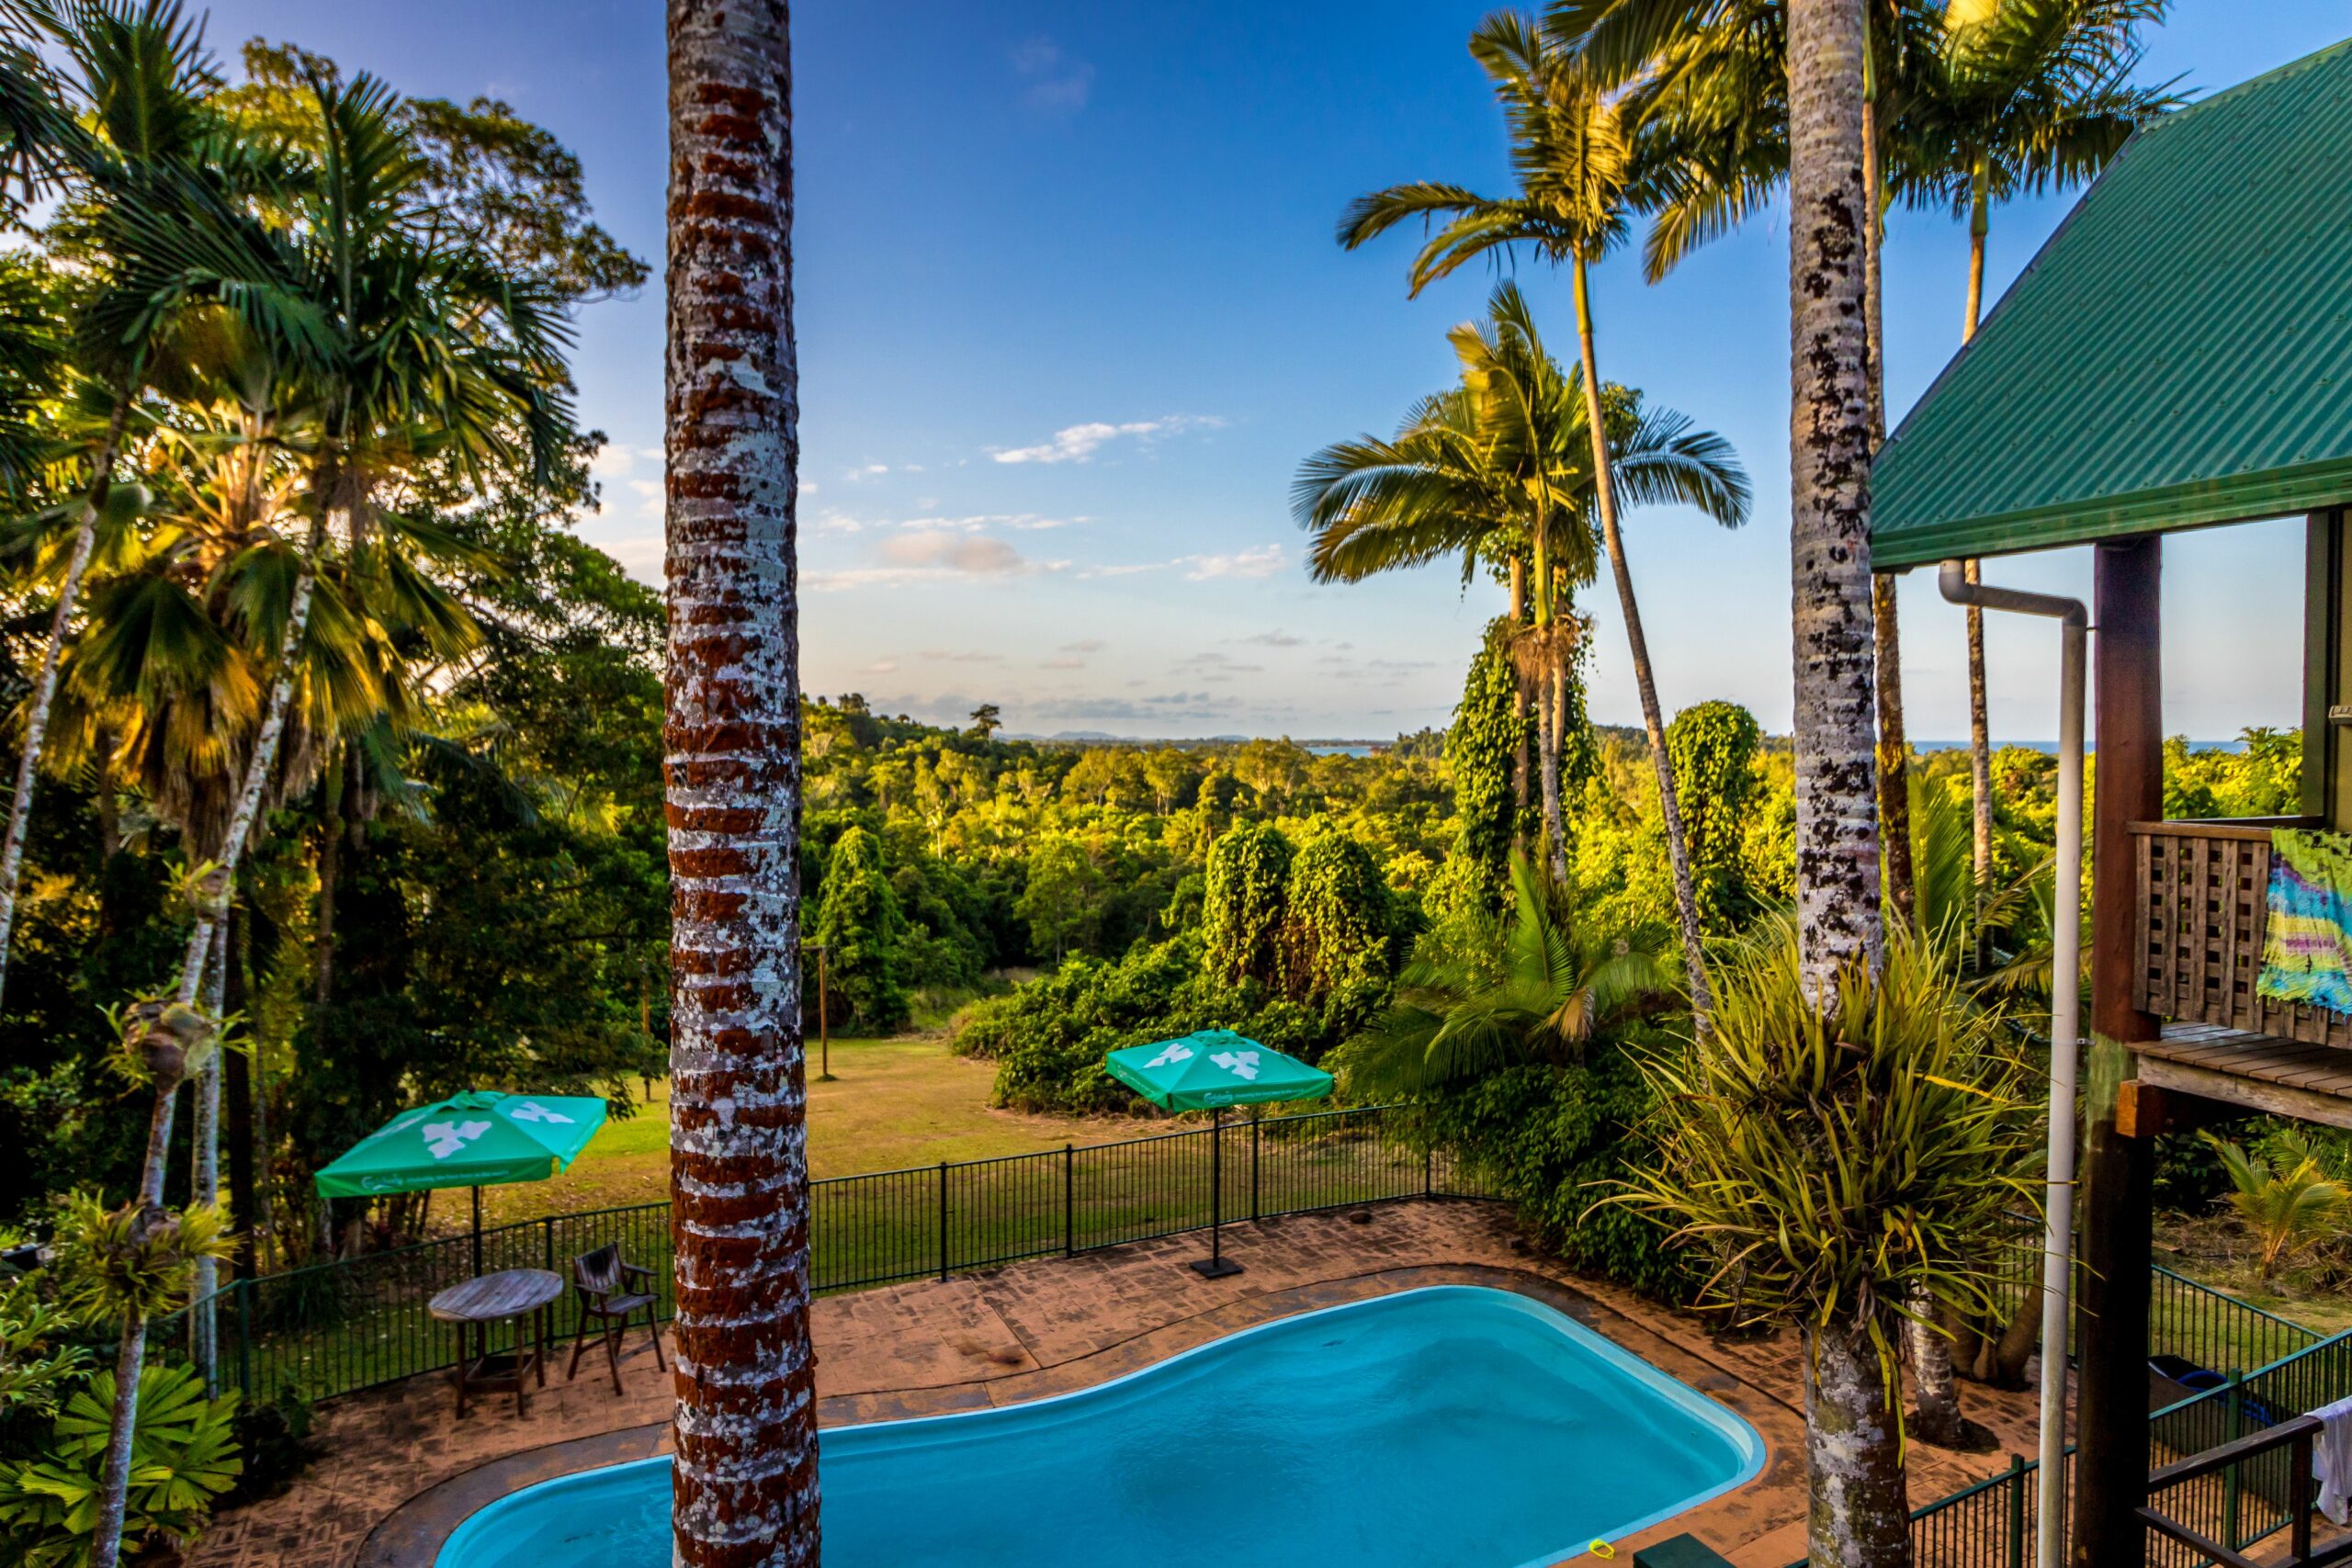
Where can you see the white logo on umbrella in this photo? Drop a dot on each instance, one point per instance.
(531, 1111)
(446, 1139)
(1177, 1052)
(1240, 1063)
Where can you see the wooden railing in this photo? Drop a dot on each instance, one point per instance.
(2290, 1473)
(2202, 912)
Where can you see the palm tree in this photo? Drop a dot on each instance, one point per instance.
(1532, 985)
(143, 71)
(744, 1486)
(1501, 468)
(395, 330)
(1575, 155)
(1858, 1512)
(2018, 97)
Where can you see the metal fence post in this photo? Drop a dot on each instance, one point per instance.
(1428, 1171)
(2232, 1428)
(943, 1220)
(1255, 1139)
(246, 1338)
(546, 1239)
(1070, 1204)
(2017, 1510)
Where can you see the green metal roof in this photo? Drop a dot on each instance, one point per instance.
(2179, 354)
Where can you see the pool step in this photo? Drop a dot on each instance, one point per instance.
(1682, 1552)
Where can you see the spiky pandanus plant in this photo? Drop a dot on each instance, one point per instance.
(1841, 1156)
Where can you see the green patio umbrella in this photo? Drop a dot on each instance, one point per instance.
(1208, 1071)
(476, 1139)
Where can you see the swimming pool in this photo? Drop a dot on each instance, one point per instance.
(1453, 1425)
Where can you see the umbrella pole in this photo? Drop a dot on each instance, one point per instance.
(1215, 1267)
(476, 1232)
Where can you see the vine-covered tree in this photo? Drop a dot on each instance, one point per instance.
(1713, 745)
(1242, 919)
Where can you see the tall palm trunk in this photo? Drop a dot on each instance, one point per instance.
(44, 691)
(1547, 732)
(204, 1175)
(1837, 858)
(1604, 489)
(1980, 729)
(1856, 1513)
(1886, 640)
(1520, 760)
(212, 908)
(131, 1352)
(743, 1487)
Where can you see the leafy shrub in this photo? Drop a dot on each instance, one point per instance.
(182, 1458)
(1555, 1140)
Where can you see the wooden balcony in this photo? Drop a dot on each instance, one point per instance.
(2200, 919)
(2201, 915)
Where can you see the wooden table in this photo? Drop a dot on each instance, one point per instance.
(494, 1298)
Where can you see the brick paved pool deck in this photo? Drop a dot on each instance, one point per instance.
(398, 1470)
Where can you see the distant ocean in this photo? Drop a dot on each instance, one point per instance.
(1345, 748)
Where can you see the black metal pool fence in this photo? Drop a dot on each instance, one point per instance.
(337, 1328)
(1991, 1523)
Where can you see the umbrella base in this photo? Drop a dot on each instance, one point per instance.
(1214, 1267)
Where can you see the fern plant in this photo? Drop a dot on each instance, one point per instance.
(182, 1456)
(2289, 1207)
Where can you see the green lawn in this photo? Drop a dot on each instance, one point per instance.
(895, 1102)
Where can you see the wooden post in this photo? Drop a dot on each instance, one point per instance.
(2117, 1199)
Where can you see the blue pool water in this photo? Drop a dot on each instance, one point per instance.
(1439, 1427)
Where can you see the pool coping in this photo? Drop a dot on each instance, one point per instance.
(413, 1534)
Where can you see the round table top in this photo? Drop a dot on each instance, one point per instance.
(492, 1296)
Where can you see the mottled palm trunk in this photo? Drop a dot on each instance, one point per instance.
(1837, 839)
(44, 691)
(1520, 760)
(114, 1473)
(1605, 489)
(1886, 639)
(744, 1482)
(1857, 1514)
(1541, 642)
(1980, 729)
(204, 1176)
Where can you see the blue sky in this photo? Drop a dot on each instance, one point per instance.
(1071, 314)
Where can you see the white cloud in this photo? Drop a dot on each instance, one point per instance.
(948, 656)
(1085, 645)
(933, 556)
(1065, 662)
(957, 552)
(882, 667)
(1057, 82)
(1077, 443)
(1264, 561)
(867, 471)
(1272, 639)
